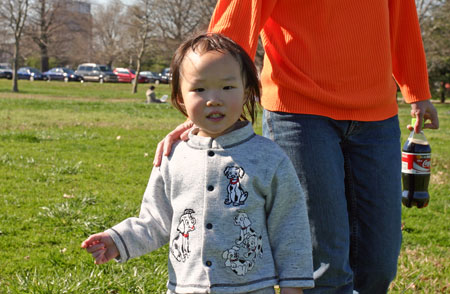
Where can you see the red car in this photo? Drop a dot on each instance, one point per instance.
(126, 75)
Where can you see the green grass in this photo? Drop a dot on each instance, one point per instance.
(75, 160)
(79, 90)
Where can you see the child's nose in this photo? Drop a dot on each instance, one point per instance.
(213, 102)
(214, 99)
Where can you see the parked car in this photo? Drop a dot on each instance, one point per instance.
(126, 75)
(62, 74)
(153, 77)
(96, 72)
(29, 73)
(5, 71)
(166, 75)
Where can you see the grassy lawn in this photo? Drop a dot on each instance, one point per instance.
(75, 159)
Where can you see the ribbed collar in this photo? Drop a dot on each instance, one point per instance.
(228, 140)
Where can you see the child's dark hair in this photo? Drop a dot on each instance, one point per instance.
(216, 42)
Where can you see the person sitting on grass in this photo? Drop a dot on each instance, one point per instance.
(151, 96)
(227, 201)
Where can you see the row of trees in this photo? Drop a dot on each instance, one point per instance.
(146, 34)
(434, 18)
(47, 33)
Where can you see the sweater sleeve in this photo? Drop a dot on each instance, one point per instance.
(408, 56)
(288, 229)
(241, 20)
(136, 236)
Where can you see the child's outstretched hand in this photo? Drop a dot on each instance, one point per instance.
(101, 246)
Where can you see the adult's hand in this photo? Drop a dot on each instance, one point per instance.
(165, 146)
(422, 111)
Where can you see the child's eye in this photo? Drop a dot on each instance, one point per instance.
(198, 90)
(228, 87)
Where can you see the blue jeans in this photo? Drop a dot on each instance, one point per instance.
(351, 173)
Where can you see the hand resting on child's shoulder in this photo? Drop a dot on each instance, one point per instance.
(101, 246)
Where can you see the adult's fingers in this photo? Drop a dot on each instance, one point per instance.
(424, 111)
(158, 154)
(417, 112)
(171, 138)
(179, 133)
(165, 146)
(431, 118)
(185, 135)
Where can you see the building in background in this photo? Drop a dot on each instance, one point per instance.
(74, 37)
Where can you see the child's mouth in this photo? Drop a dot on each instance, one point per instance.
(215, 116)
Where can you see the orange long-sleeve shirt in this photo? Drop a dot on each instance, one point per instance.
(331, 58)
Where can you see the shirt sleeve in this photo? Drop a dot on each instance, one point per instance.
(408, 55)
(136, 236)
(242, 21)
(288, 229)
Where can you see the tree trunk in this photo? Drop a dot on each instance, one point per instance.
(443, 89)
(15, 66)
(136, 77)
(43, 40)
(138, 67)
(44, 57)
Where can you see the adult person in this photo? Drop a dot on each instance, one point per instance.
(151, 96)
(329, 99)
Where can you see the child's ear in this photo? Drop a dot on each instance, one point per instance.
(180, 100)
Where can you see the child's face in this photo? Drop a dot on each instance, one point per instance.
(212, 88)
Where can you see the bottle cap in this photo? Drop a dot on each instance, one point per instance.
(413, 122)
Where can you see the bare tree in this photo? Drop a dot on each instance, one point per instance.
(436, 38)
(15, 12)
(424, 8)
(140, 31)
(43, 26)
(108, 31)
(177, 19)
(6, 42)
(58, 31)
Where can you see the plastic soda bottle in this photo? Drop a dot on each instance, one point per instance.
(416, 167)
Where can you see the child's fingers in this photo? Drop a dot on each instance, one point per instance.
(100, 257)
(99, 253)
(101, 247)
(91, 240)
(96, 247)
(100, 260)
(85, 244)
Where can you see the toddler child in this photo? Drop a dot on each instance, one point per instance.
(227, 201)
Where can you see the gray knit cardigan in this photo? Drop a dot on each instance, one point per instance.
(233, 212)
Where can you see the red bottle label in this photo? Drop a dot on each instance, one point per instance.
(416, 163)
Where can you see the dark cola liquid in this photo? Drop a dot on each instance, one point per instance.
(415, 186)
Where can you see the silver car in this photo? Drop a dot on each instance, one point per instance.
(96, 73)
